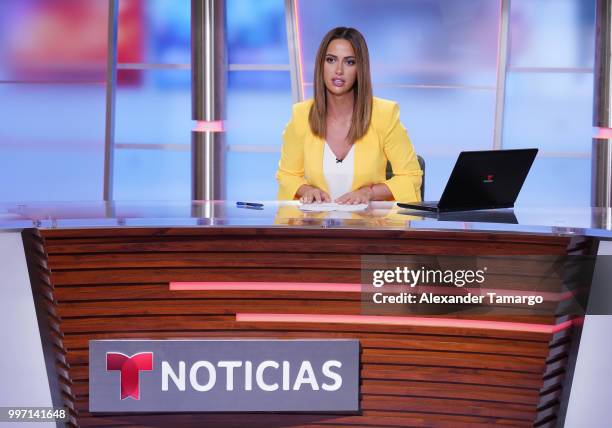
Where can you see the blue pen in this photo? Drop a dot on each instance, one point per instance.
(249, 204)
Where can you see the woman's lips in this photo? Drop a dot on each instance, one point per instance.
(338, 82)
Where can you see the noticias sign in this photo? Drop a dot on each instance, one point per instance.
(223, 375)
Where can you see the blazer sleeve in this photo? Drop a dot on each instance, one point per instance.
(290, 173)
(405, 185)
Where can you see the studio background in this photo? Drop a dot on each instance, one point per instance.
(441, 60)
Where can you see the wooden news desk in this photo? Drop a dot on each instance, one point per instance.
(102, 273)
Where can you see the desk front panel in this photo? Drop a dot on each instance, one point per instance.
(115, 284)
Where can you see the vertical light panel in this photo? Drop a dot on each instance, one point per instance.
(258, 96)
(549, 96)
(111, 90)
(52, 87)
(153, 101)
(294, 45)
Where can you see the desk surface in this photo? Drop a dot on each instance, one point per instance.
(380, 216)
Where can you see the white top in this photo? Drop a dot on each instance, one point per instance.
(338, 175)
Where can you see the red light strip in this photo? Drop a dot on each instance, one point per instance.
(405, 321)
(349, 288)
(212, 126)
(603, 133)
(265, 286)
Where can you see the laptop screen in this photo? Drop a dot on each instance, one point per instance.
(487, 179)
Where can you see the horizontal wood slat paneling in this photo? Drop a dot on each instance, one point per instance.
(113, 284)
(129, 309)
(377, 419)
(499, 394)
(517, 412)
(79, 343)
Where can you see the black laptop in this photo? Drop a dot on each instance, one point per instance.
(482, 180)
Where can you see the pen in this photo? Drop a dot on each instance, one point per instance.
(249, 204)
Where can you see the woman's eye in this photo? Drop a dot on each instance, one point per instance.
(351, 62)
(329, 59)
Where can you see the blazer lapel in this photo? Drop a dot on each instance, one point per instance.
(318, 179)
(365, 156)
(357, 154)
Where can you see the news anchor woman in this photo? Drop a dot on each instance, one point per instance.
(336, 146)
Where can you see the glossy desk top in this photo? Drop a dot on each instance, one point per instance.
(381, 215)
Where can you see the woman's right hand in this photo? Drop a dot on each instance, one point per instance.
(309, 194)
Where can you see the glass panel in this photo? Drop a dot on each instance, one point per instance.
(42, 115)
(552, 33)
(250, 176)
(152, 175)
(421, 41)
(550, 111)
(153, 106)
(52, 141)
(37, 40)
(36, 173)
(445, 121)
(256, 32)
(258, 107)
(546, 186)
(154, 31)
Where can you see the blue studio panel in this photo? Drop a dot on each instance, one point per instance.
(52, 100)
(549, 97)
(436, 58)
(153, 103)
(258, 102)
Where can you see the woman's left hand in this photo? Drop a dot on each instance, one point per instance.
(359, 196)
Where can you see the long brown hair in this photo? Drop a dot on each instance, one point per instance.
(362, 109)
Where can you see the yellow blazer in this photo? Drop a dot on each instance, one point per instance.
(301, 159)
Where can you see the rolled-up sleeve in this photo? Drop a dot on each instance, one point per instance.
(290, 173)
(405, 185)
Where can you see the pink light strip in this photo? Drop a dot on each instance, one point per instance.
(603, 133)
(348, 288)
(212, 126)
(265, 286)
(299, 46)
(406, 321)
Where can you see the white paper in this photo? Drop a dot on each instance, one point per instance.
(332, 206)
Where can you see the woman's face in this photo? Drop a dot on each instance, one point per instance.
(340, 67)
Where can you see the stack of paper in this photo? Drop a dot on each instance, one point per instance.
(332, 206)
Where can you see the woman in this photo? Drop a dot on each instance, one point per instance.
(336, 146)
